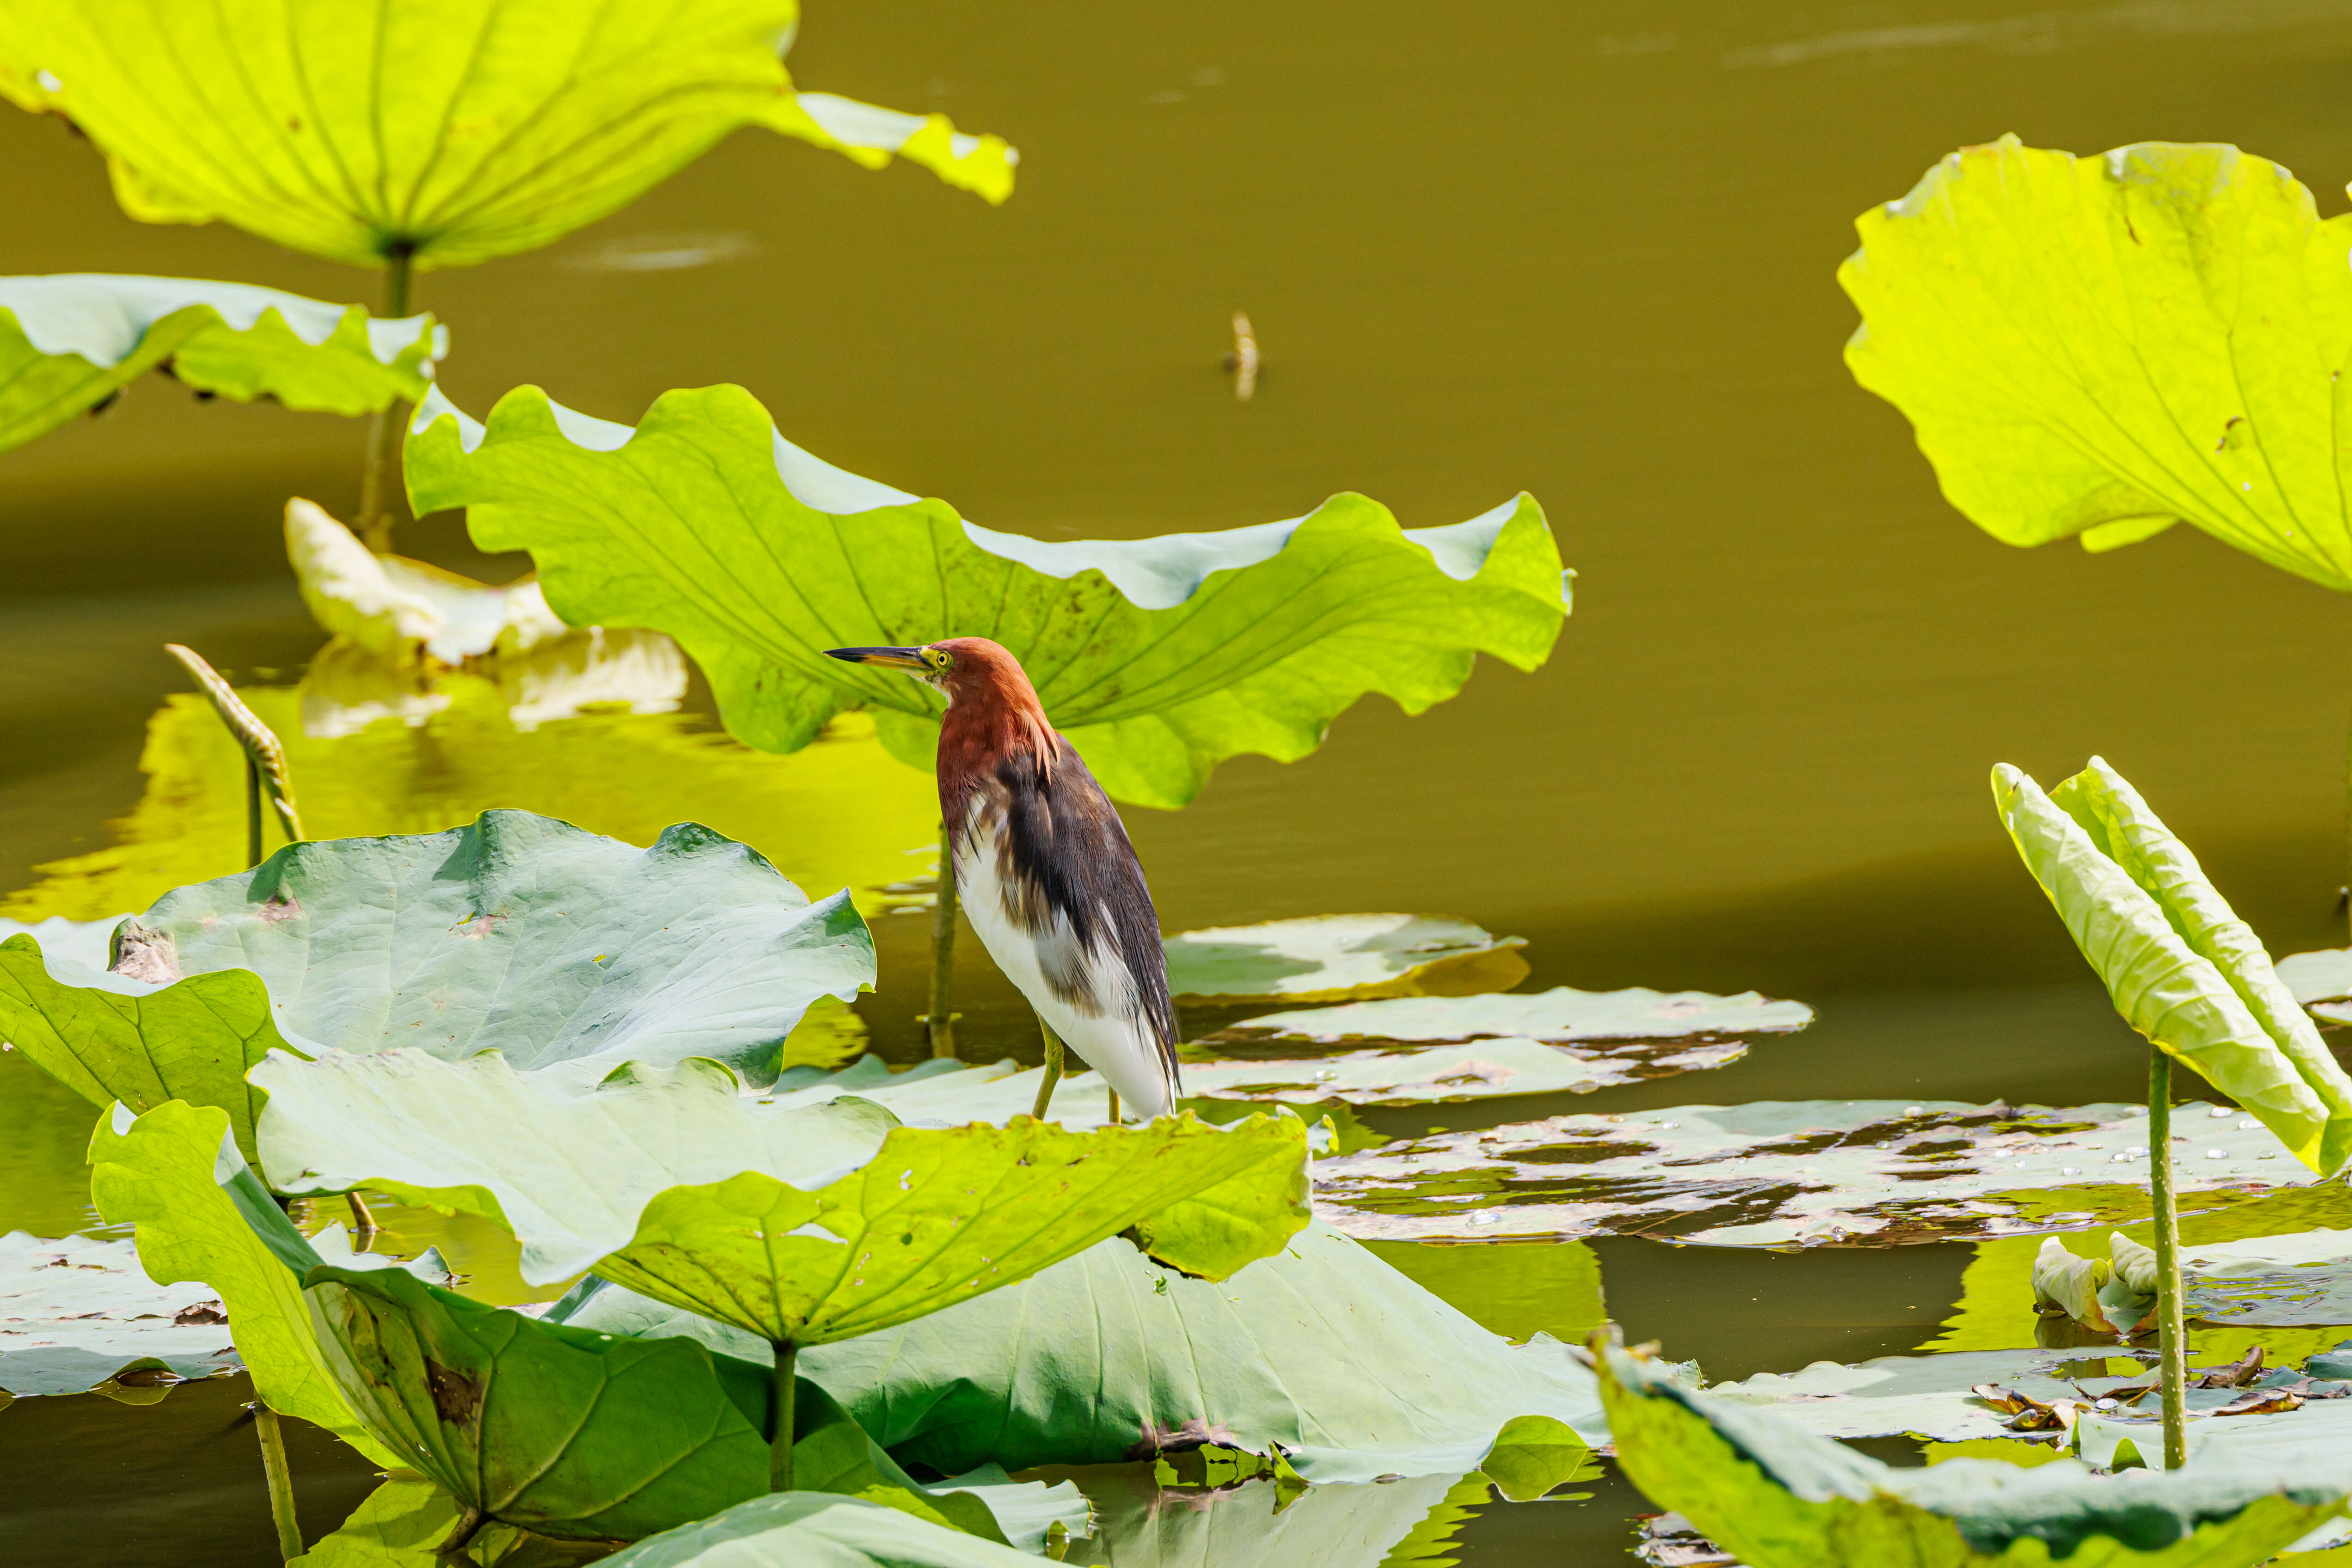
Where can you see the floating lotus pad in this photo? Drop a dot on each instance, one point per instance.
(1157, 657)
(2282, 1442)
(2321, 981)
(1336, 958)
(795, 1222)
(520, 933)
(563, 1431)
(71, 341)
(2181, 967)
(1781, 1496)
(2203, 309)
(1322, 1353)
(475, 130)
(1434, 1073)
(788, 1529)
(1562, 1016)
(2300, 1279)
(77, 1312)
(1783, 1174)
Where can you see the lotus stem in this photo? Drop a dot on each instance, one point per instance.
(281, 1481)
(780, 1448)
(943, 918)
(384, 430)
(1052, 1068)
(2172, 1339)
(1243, 359)
(1114, 1108)
(265, 758)
(363, 1219)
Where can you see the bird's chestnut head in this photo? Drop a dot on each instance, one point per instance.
(971, 671)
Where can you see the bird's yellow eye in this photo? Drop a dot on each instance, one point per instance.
(938, 659)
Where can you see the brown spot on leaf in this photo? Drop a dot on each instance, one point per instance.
(202, 1312)
(281, 907)
(142, 953)
(456, 1397)
(1197, 1433)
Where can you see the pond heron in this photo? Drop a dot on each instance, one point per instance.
(1044, 872)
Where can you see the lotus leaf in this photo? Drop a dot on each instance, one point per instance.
(772, 1216)
(2114, 1294)
(457, 132)
(1341, 958)
(2104, 346)
(816, 1529)
(175, 1173)
(77, 1312)
(87, 943)
(2282, 1442)
(2301, 1279)
(1780, 1497)
(2320, 981)
(841, 813)
(1401, 1524)
(402, 1523)
(1780, 1173)
(395, 608)
(520, 933)
(2182, 968)
(1562, 1014)
(1476, 1072)
(1321, 1354)
(71, 343)
(1157, 657)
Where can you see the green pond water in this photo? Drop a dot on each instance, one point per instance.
(1586, 251)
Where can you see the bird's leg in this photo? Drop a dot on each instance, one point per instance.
(1114, 1108)
(1053, 1068)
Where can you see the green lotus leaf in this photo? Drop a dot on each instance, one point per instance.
(2302, 1277)
(1236, 1523)
(1322, 1354)
(457, 132)
(1780, 1497)
(568, 1432)
(2104, 346)
(2182, 968)
(402, 1523)
(1563, 1015)
(800, 1223)
(71, 343)
(1157, 657)
(841, 813)
(87, 943)
(1341, 958)
(175, 1174)
(520, 933)
(813, 1530)
(77, 1312)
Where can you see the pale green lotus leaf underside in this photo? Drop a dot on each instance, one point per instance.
(2100, 347)
(396, 609)
(818, 1530)
(1782, 1173)
(1780, 1497)
(2181, 966)
(71, 341)
(76, 1311)
(1322, 1353)
(520, 933)
(1157, 657)
(461, 131)
(807, 1220)
(1341, 958)
(86, 943)
(1563, 1015)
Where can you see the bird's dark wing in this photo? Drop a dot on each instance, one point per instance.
(1071, 878)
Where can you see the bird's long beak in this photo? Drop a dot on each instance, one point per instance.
(910, 658)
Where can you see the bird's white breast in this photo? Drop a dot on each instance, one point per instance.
(1105, 1023)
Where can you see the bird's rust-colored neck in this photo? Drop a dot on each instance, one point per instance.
(993, 715)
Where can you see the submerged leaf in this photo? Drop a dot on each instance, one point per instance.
(76, 1313)
(1779, 1173)
(2182, 969)
(458, 132)
(1341, 958)
(1321, 1354)
(1780, 1497)
(676, 1186)
(520, 933)
(2103, 346)
(1157, 657)
(71, 343)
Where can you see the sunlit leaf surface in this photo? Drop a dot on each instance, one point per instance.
(2181, 966)
(806, 1222)
(1322, 1353)
(72, 342)
(2104, 346)
(1781, 1496)
(1787, 1172)
(1158, 657)
(792, 1528)
(1341, 958)
(458, 132)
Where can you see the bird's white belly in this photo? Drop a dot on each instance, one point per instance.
(1114, 1042)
